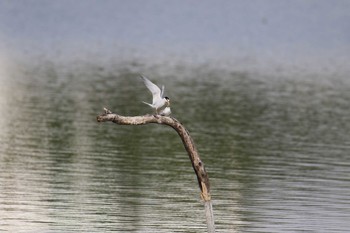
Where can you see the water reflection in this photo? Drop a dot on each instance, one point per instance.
(275, 149)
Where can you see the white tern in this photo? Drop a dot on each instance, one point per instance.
(159, 103)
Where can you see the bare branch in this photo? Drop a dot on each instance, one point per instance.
(197, 164)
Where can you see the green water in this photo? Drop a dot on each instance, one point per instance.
(276, 149)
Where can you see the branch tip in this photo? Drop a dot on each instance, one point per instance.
(107, 111)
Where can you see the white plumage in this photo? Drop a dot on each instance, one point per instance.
(159, 103)
(165, 112)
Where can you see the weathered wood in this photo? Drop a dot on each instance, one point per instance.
(197, 164)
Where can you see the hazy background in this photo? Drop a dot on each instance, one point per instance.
(262, 86)
(268, 35)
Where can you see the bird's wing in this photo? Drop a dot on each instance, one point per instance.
(162, 92)
(147, 104)
(154, 89)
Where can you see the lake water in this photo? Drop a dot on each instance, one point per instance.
(276, 148)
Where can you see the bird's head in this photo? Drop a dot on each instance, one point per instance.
(167, 100)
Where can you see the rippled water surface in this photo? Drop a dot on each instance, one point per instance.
(276, 149)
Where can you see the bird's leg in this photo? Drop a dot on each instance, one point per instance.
(155, 115)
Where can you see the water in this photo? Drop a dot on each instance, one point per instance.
(276, 149)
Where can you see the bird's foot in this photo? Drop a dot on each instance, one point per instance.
(156, 114)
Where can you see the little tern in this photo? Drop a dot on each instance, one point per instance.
(159, 103)
(165, 112)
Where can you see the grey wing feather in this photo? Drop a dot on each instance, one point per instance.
(154, 89)
(148, 104)
(162, 93)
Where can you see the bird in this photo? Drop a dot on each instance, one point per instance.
(159, 103)
(165, 112)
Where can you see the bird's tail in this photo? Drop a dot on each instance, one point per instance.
(147, 104)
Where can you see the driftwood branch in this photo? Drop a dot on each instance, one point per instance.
(197, 164)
